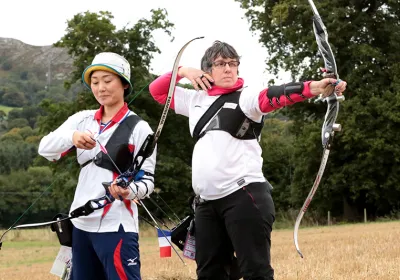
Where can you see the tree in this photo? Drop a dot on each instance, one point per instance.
(14, 114)
(24, 75)
(26, 131)
(363, 169)
(34, 139)
(90, 33)
(17, 195)
(14, 99)
(15, 154)
(12, 135)
(20, 122)
(29, 113)
(277, 150)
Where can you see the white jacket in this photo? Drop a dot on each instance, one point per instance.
(57, 143)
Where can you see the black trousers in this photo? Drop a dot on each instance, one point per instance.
(239, 223)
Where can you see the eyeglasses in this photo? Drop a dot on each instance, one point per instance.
(222, 64)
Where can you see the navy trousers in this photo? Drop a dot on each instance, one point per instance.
(108, 255)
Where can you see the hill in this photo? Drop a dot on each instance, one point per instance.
(30, 73)
(18, 56)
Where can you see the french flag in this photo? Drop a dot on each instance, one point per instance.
(165, 246)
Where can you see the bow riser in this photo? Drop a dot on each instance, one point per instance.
(330, 127)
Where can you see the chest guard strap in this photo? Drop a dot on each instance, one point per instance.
(226, 115)
(118, 147)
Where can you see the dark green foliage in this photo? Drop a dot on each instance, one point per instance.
(277, 148)
(15, 154)
(363, 168)
(17, 123)
(24, 75)
(14, 99)
(29, 113)
(18, 190)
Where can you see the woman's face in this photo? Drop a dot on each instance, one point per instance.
(107, 88)
(225, 72)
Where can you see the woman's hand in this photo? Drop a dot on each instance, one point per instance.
(117, 192)
(326, 87)
(198, 78)
(83, 140)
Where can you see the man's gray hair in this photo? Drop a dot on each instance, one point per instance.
(217, 49)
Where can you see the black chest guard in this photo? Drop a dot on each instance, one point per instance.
(226, 115)
(118, 147)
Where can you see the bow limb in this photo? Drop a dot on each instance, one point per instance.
(31, 225)
(42, 224)
(329, 126)
(324, 48)
(309, 198)
(150, 143)
(88, 208)
(321, 36)
(171, 90)
(160, 126)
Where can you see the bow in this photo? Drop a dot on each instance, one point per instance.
(145, 151)
(329, 126)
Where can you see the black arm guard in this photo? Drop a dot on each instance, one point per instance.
(285, 90)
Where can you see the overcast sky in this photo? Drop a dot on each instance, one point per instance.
(43, 22)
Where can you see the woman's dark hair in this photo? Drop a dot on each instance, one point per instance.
(217, 49)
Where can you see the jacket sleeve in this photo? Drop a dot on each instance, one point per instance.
(59, 142)
(181, 97)
(159, 88)
(145, 185)
(255, 104)
(276, 97)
